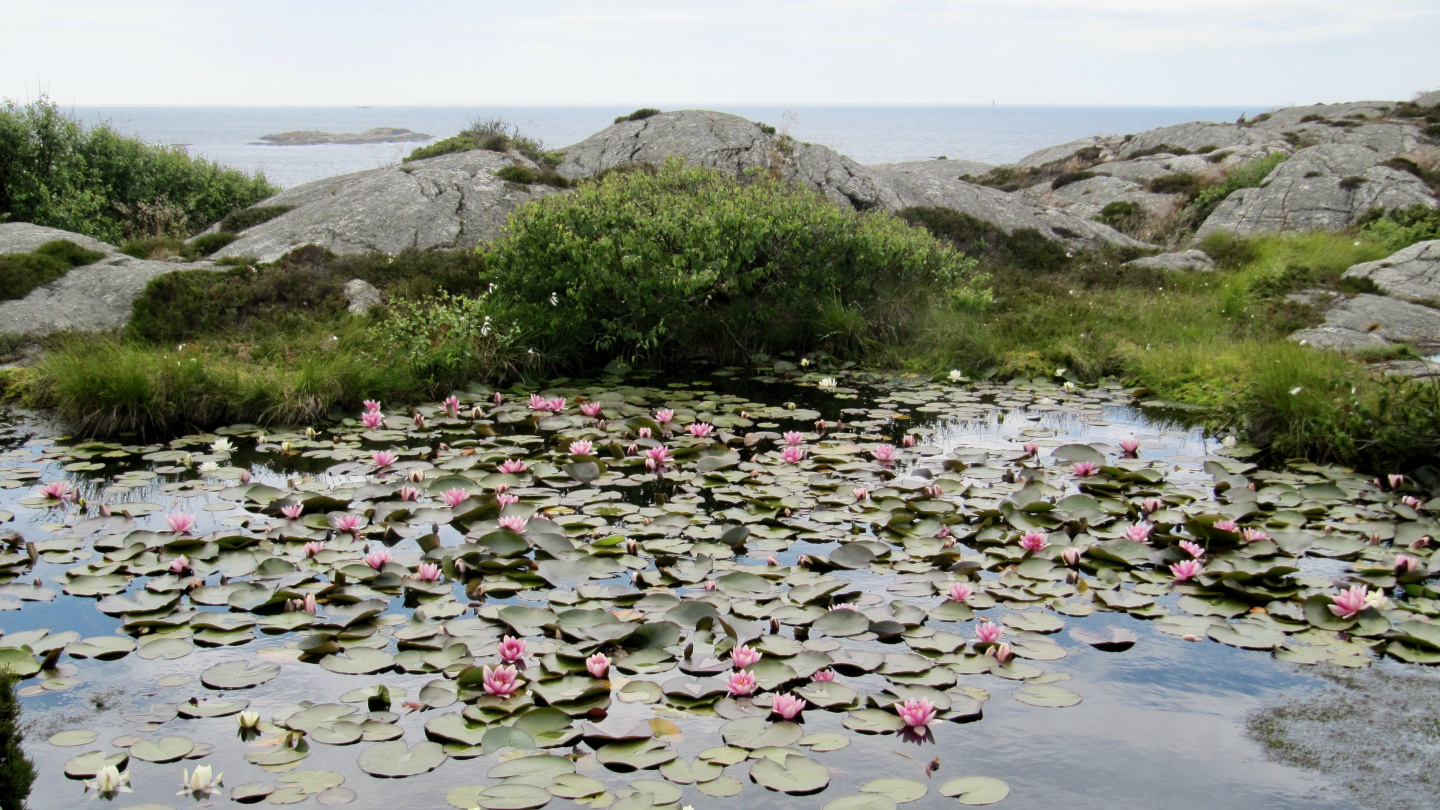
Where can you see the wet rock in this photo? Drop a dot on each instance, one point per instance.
(1374, 321)
(732, 145)
(1321, 188)
(1412, 273)
(1184, 261)
(443, 202)
(932, 183)
(362, 296)
(23, 237)
(93, 298)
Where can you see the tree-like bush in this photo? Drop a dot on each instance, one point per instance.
(686, 261)
(17, 772)
(55, 172)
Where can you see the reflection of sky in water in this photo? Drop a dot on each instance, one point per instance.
(1160, 724)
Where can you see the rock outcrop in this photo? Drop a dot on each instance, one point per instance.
(376, 135)
(1184, 261)
(93, 298)
(1325, 187)
(1374, 321)
(1087, 198)
(935, 183)
(1200, 136)
(361, 296)
(449, 201)
(1412, 274)
(730, 144)
(23, 237)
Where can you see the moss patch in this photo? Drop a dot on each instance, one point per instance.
(22, 272)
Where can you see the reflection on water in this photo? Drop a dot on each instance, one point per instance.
(1160, 724)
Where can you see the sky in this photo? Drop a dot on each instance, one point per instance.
(649, 52)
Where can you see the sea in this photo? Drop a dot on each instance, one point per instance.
(993, 134)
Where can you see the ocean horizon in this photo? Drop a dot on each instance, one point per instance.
(869, 134)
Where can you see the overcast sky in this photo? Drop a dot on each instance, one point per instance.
(642, 52)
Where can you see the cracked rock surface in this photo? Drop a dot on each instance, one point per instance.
(93, 298)
(1412, 273)
(1375, 321)
(443, 202)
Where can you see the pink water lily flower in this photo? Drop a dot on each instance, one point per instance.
(741, 682)
(1130, 446)
(452, 406)
(1033, 542)
(988, 632)
(743, 656)
(292, 510)
(59, 490)
(1405, 564)
(787, 706)
(512, 466)
(916, 712)
(180, 524)
(1151, 505)
(1083, 469)
(823, 675)
(590, 409)
(959, 591)
(538, 403)
(372, 406)
(664, 415)
(348, 523)
(383, 458)
(514, 523)
(1186, 569)
(1226, 526)
(909, 440)
(1396, 480)
(428, 572)
(700, 430)
(377, 559)
(455, 497)
(1001, 652)
(313, 547)
(1140, 532)
(372, 419)
(792, 455)
(505, 499)
(511, 649)
(1071, 556)
(180, 564)
(597, 665)
(885, 453)
(657, 458)
(306, 605)
(409, 494)
(793, 438)
(1193, 549)
(1031, 449)
(502, 681)
(1350, 602)
(1411, 501)
(580, 448)
(860, 494)
(1253, 535)
(643, 433)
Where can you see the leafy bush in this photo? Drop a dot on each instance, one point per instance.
(1229, 251)
(527, 176)
(99, 183)
(22, 272)
(1159, 149)
(1122, 215)
(639, 115)
(1067, 178)
(447, 339)
(244, 218)
(1178, 183)
(1023, 247)
(17, 773)
(211, 242)
(689, 260)
(491, 134)
(1402, 227)
(1248, 175)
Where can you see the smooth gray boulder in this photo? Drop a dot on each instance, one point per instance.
(1087, 198)
(23, 237)
(1374, 321)
(1324, 187)
(451, 201)
(361, 296)
(1184, 261)
(1290, 117)
(93, 298)
(1429, 99)
(732, 145)
(932, 183)
(1198, 135)
(1080, 153)
(1412, 273)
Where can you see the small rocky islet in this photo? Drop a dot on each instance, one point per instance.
(310, 137)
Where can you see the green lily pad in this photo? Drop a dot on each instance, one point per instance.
(239, 675)
(798, 775)
(975, 790)
(392, 760)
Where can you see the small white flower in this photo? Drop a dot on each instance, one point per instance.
(827, 382)
(109, 781)
(209, 467)
(222, 446)
(200, 784)
(1376, 599)
(804, 362)
(1297, 389)
(1069, 385)
(554, 300)
(955, 375)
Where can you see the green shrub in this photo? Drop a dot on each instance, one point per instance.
(491, 134)
(1178, 183)
(155, 248)
(22, 272)
(1123, 216)
(448, 339)
(1248, 175)
(99, 183)
(211, 242)
(446, 146)
(1229, 251)
(17, 773)
(1401, 227)
(1160, 149)
(527, 176)
(688, 260)
(1066, 178)
(1024, 247)
(1352, 182)
(639, 115)
(245, 218)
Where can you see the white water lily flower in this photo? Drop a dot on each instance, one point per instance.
(222, 446)
(199, 783)
(209, 467)
(109, 781)
(827, 382)
(955, 375)
(1376, 599)
(248, 719)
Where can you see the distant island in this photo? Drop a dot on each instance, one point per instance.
(376, 135)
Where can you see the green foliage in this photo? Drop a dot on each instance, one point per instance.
(17, 773)
(1401, 227)
(1160, 149)
(1352, 182)
(155, 248)
(527, 176)
(211, 242)
(687, 259)
(446, 339)
(1248, 175)
(446, 146)
(22, 272)
(639, 115)
(244, 218)
(1123, 216)
(494, 135)
(1024, 247)
(1229, 251)
(99, 183)
(1066, 178)
(1178, 183)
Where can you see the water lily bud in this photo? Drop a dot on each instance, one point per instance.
(248, 719)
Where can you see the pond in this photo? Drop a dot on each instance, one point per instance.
(1027, 593)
